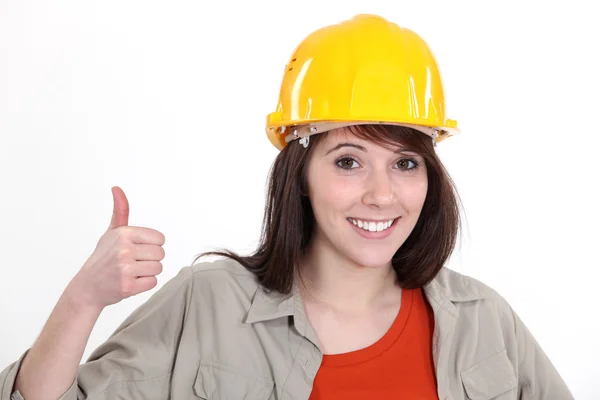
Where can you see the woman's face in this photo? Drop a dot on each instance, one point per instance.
(356, 187)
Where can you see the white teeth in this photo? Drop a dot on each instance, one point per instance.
(372, 226)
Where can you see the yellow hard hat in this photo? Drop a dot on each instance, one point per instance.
(365, 70)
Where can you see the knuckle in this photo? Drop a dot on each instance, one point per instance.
(126, 289)
(124, 254)
(121, 232)
(123, 270)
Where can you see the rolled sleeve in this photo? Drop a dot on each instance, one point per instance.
(8, 378)
(137, 360)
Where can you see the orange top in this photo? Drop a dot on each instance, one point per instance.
(397, 366)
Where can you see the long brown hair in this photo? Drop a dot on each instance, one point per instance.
(289, 221)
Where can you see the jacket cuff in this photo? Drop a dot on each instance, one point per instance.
(9, 376)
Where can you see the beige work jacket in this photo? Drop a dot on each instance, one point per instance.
(212, 332)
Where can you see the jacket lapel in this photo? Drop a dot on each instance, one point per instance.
(443, 293)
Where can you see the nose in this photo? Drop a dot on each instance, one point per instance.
(379, 190)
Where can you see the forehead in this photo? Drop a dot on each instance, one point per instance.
(345, 135)
(339, 134)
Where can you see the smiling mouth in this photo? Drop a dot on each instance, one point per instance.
(372, 226)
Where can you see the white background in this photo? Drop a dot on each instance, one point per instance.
(168, 100)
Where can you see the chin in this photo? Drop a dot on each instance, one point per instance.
(375, 258)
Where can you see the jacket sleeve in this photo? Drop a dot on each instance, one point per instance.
(538, 378)
(137, 360)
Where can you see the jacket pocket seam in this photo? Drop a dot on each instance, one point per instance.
(213, 378)
(496, 369)
(219, 366)
(126, 382)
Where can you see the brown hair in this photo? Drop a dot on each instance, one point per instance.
(289, 220)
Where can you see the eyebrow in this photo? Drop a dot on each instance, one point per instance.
(340, 145)
(359, 147)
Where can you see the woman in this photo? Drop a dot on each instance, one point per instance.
(347, 296)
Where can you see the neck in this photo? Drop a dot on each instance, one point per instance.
(328, 279)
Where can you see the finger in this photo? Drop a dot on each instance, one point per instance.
(120, 216)
(149, 252)
(144, 284)
(141, 235)
(145, 268)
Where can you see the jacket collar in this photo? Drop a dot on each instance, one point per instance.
(447, 288)
(453, 286)
(271, 305)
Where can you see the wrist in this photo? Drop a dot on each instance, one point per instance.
(78, 302)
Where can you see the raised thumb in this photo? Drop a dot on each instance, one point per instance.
(120, 215)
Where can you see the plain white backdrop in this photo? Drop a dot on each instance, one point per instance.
(168, 100)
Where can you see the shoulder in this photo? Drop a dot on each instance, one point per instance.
(465, 291)
(222, 272)
(217, 272)
(206, 279)
(481, 314)
(220, 283)
(460, 287)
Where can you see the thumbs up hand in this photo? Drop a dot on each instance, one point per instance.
(125, 262)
